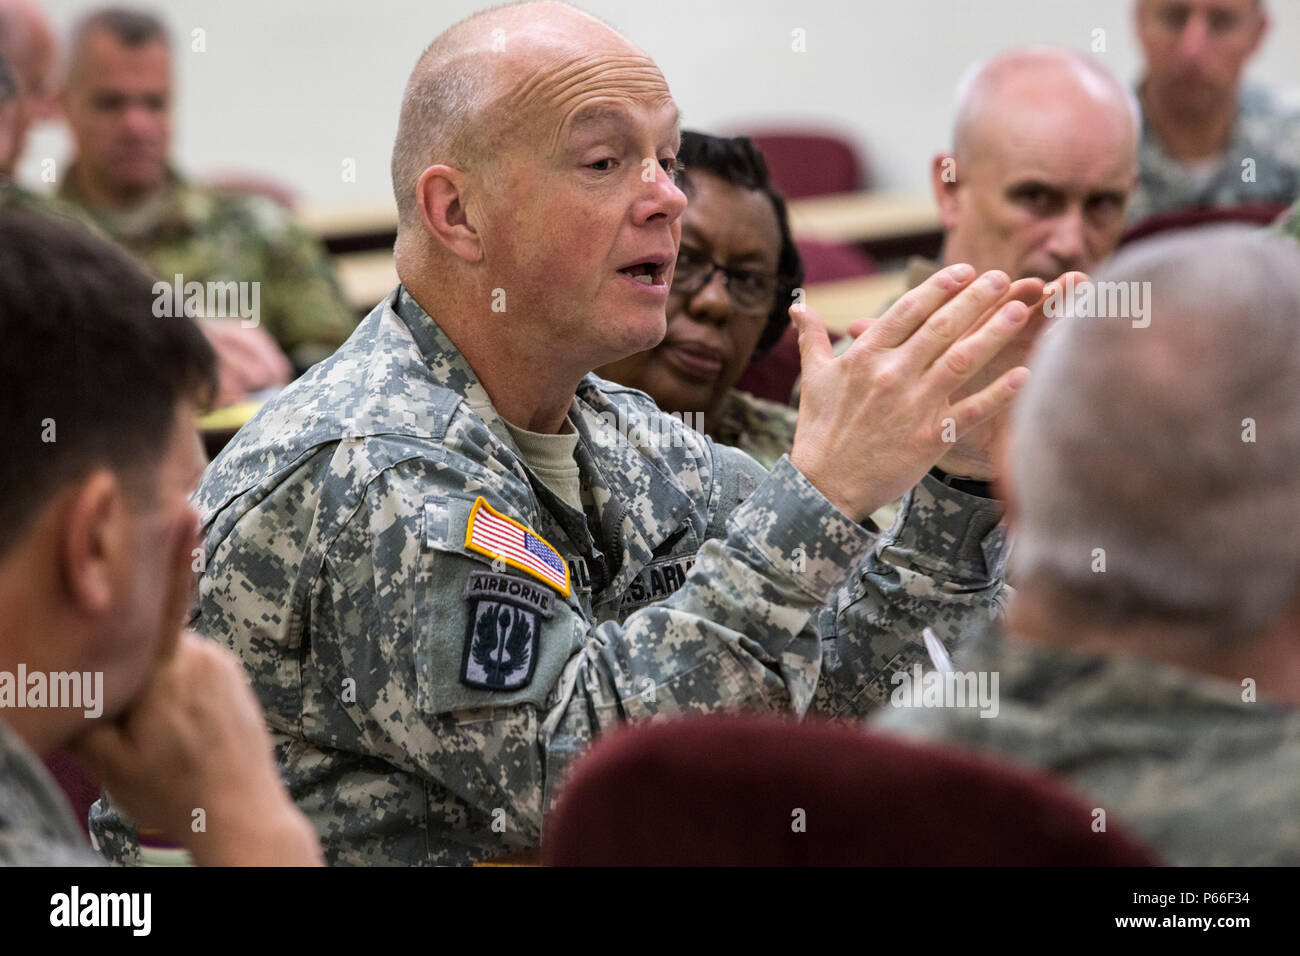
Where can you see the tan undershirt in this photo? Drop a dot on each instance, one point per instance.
(551, 457)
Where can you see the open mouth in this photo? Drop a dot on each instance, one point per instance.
(650, 272)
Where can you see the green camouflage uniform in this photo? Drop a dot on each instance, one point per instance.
(411, 731)
(13, 196)
(1262, 133)
(1205, 778)
(37, 827)
(208, 236)
(1289, 222)
(762, 429)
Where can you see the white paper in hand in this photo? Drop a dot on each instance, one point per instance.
(938, 653)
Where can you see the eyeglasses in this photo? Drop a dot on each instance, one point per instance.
(750, 289)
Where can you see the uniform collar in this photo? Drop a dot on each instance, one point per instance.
(639, 504)
(176, 208)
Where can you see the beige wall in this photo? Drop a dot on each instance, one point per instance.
(293, 88)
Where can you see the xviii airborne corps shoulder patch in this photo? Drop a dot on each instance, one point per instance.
(502, 636)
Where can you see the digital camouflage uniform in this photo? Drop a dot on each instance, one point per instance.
(37, 827)
(1263, 134)
(407, 728)
(1205, 778)
(760, 428)
(208, 236)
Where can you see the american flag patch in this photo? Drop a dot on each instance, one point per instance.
(491, 533)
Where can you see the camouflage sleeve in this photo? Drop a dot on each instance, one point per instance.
(736, 634)
(939, 566)
(304, 309)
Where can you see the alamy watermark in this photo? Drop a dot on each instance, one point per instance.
(209, 300)
(946, 689)
(659, 430)
(1100, 300)
(56, 689)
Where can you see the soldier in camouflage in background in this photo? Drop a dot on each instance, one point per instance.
(117, 103)
(1207, 140)
(446, 561)
(1151, 656)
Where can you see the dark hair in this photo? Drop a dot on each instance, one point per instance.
(91, 376)
(131, 28)
(737, 160)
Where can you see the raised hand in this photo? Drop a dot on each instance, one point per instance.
(874, 420)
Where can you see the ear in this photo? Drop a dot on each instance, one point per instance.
(441, 195)
(94, 543)
(944, 180)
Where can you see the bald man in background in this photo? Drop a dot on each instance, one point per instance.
(1042, 164)
(450, 556)
(1208, 140)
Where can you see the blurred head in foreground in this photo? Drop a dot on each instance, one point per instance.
(1155, 471)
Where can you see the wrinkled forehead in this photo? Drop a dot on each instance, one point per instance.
(555, 85)
(1088, 145)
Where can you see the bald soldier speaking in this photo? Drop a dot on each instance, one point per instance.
(449, 556)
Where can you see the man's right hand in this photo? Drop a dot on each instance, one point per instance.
(195, 740)
(874, 420)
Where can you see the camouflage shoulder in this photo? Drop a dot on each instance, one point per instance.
(16, 197)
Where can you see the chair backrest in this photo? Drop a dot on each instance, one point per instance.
(811, 163)
(1259, 214)
(750, 790)
(75, 783)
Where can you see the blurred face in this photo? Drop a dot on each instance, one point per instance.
(582, 228)
(1041, 195)
(118, 105)
(1196, 49)
(142, 632)
(711, 336)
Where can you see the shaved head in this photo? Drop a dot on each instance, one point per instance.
(477, 88)
(1043, 162)
(535, 175)
(1036, 79)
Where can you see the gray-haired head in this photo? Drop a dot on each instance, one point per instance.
(1170, 455)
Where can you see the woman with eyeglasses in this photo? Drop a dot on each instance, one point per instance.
(736, 272)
